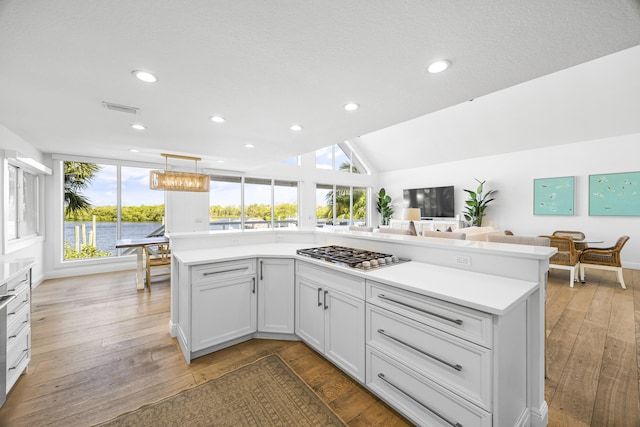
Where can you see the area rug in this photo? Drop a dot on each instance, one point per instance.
(264, 393)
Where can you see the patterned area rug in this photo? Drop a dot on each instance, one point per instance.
(265, 393)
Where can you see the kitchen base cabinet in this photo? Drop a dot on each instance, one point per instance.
(276, 290)
(330, 316)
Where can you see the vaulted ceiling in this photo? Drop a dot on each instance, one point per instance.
(266, 65)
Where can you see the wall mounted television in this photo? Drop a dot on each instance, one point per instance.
(434, 202)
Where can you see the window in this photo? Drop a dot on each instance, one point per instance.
(285, 204)
(341, 158)
(22, 203)
(340, 205)
(104, 203)
(257, 203)
(225, 203)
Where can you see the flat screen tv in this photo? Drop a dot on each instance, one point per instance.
(434, 202)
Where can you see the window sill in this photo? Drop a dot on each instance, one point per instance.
(16, 245)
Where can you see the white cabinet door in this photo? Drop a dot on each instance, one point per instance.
(223, 310)
(345, 332)
(276, 284)
(310, 313)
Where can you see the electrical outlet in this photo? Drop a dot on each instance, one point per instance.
(463, 260)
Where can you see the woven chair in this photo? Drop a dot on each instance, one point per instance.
(577, 237)
(567, 257)
(444, 235)
(604, 259)
(157, 256)
(517, 240)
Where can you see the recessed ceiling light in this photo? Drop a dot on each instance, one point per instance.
(218, 119)
(296, 128)
(145, 76)
(351, 106)
(133, 150)
(439, 66)
(249, 145)
(138, 126)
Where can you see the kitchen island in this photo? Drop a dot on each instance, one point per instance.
(381, 326)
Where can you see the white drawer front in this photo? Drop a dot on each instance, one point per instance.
(16, 283)
(351, 285)
(16, 322)
(222, 270)
(461, 366)
(418, 398)
(18, 356)
(466, 323)
(18, 303)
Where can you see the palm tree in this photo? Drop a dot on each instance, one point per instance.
(77, 177)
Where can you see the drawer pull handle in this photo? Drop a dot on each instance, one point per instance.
(319, 295)
(451, 423)
(261, 263)
(24, 355)
(209, 273)
(448, 319)
(444, 362)
(253, 290)
(326, 306)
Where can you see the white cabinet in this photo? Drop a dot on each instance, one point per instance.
(276, 290)
(443, 364)
(18, 321)
(330, 316)
(218, 305)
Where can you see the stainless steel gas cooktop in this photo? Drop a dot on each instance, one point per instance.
(351, 257)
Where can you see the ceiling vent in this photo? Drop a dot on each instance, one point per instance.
(121, 108)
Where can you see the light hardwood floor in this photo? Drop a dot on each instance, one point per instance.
(101, 348)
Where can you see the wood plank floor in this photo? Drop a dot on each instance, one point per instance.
(101, 348)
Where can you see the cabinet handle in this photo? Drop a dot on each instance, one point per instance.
(253, 291)
(26, 353)
(261, 278)
(326, 306)
(444, 362)
(209, 273)
(451, 423)
(319, 295)
(448, 319)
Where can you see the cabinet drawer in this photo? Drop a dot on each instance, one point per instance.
(466, 323)
(16, 322)
(222, 270)
(21, 300)
(22, 280)
(456, 364)
(18, 355)
(418, 398)
(347, 283)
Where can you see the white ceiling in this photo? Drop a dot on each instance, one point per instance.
(265, 65)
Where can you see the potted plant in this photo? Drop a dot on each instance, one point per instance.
(477, 203)
(384, 206)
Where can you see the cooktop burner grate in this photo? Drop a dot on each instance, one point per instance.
(350, 257)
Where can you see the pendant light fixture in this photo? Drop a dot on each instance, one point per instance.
(178, 181)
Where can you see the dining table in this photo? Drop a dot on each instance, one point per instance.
(139, 244)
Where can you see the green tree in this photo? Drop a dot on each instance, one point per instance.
(77, 177)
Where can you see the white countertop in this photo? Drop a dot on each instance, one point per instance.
(484, 292)
(12, 268)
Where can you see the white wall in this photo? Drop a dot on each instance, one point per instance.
(29, 248)
(512, 175)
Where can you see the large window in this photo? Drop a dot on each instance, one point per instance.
(341, 158)
(21, 204)
(104, 203)
(340, 205)
(252, 203)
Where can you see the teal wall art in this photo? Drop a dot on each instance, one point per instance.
(614, 194)
(553, 196)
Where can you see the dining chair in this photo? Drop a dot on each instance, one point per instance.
(157, 256)
(577, 237)
(567, 257)
(517, 240)
(604, 259)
